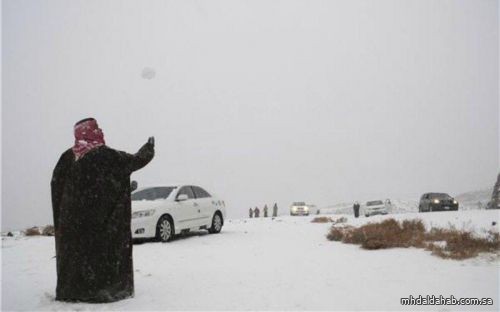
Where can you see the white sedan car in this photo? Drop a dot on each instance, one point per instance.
(375, 207)
(163, 211)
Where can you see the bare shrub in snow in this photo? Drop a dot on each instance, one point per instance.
(340, 220)
(48, 231)
(445, 243)
(321, 220)
(336, 234)
(460, 244)
(391, 234)
(33, 231)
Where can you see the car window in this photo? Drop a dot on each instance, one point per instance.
(199, 192)
(153, 193)
(374, 203)
(186, 190)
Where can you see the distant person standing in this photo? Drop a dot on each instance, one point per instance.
(265, 211)
(275, 210)
(250, 212)
(495, 196)
(133, 186)
(256, 212)
(356, 209)
(92, 214)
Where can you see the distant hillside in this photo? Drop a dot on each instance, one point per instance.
(467, 201)
(398, 206)
(471, 200)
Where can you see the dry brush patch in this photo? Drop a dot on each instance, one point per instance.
(321, 220)
(32, 231)
(460, 244)
(48, 230)
(340, 220)
(445, 243)
(328, 219)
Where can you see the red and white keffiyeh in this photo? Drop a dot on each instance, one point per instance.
(88, 136)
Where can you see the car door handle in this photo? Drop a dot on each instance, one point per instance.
(199, 210)
(195, 204)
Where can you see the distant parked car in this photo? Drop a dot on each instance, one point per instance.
(163, 211)
(375, 207)
(437, 202)
(302, 209)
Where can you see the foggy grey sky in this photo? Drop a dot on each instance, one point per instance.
(258, 101)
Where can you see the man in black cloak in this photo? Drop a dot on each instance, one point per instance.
(355, 207)
(256, 212)
(92, 212)
(275, 210)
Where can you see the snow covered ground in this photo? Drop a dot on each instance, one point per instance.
(265, 264)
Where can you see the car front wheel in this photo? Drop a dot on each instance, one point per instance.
(216, 224)
(164, 229)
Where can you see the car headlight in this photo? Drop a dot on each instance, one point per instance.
(455, 202)
(436, 201)
(306, 208)
(143, 213)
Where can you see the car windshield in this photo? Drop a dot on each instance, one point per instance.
(153, 193)
(440, 196)
(299, 204)
(374, 203)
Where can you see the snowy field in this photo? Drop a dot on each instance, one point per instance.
(265, 264)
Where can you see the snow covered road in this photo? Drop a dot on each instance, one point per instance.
(265, 264)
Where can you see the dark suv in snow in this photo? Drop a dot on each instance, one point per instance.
(437, 202)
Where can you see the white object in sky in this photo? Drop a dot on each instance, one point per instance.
(148, 73)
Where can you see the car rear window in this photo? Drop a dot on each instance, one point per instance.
(199, 192)
(374, 203)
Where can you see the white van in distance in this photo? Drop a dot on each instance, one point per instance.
(302, 209)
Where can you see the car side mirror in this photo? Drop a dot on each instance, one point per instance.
(182, 197)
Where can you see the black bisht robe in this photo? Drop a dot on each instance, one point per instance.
(92, 213)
